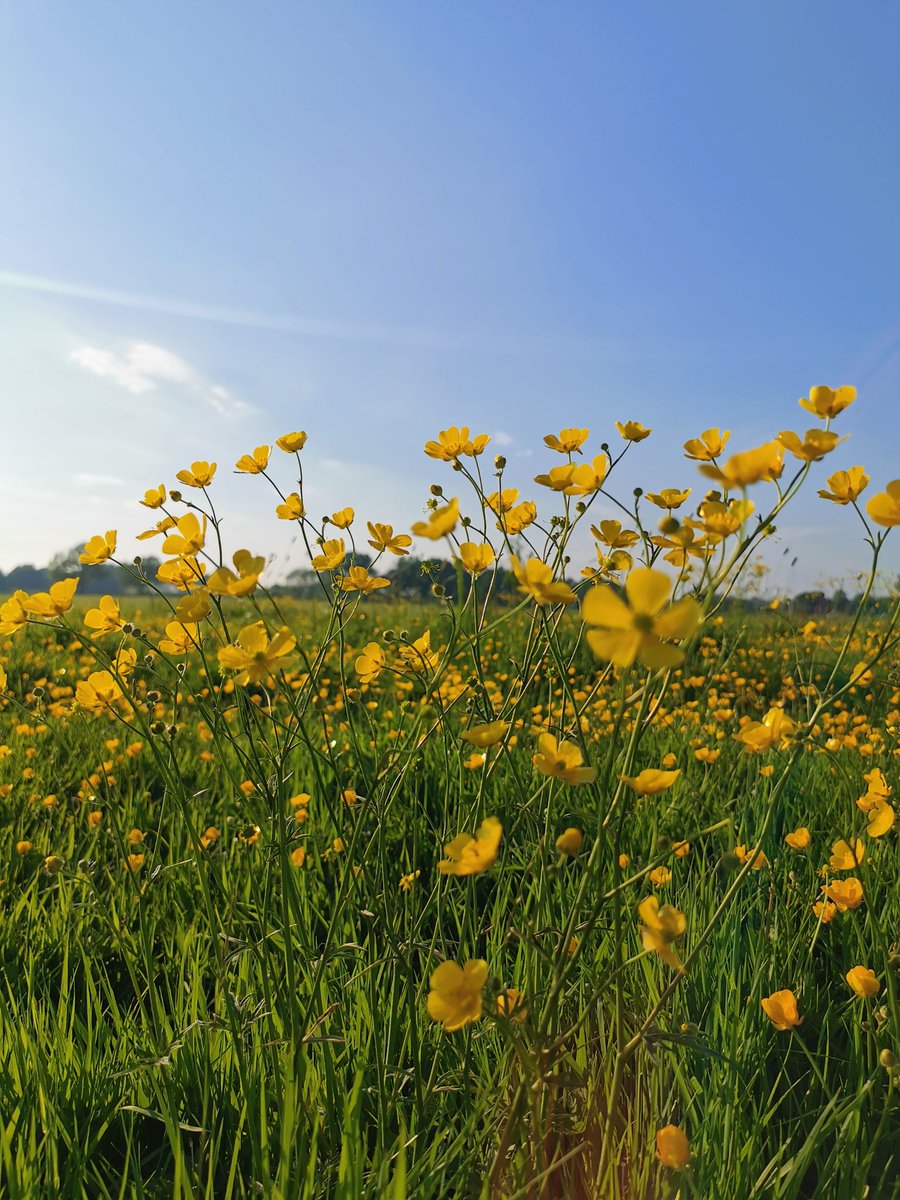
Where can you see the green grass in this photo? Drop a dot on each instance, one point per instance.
(223, 1024)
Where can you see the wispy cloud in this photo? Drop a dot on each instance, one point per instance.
(142, 367)
(354, 331)
(138, 370)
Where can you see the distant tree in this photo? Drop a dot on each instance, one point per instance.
(65, 564)
(26, 577)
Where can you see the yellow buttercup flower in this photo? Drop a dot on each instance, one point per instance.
(588, 478)
(180, 638)
(881, 819)
(569, 441)
(382, 537)
(454, 443)
(884, 508)
(54, 602)
(290, 443)
(825, 911)
(707, 446)
(333, 553)
(633, 431)
(476, 556)
(14, 613)
(863, 981)
(468, 855)
(763, 464)
(814, 445)
(487, 735)
(561, 760)
(254, 656)
(194, 606)
(774, 731)
(358, 579)
(569, 841)
(292, 509)
(99, 549)
(535, 579)
(845, 486)
(105, 618)
(154, 497)
(651, 781)
(370, 663)
(721, 519)
(343, 518)
(511, 1005)
(255, 463)
(668, 498)
(781, 1009)
(419, 656)
(645, 627)
(200, 475)
(611, 534)
(799, 839)
(501, 502)
(755, 857)
(845, 857)
(455, 998)
(517, 518)
(683, 545)
(845, 894)
(98, 693)
(672, 1147)
(558, 479)
(182, 573)
(608, 565)
(826, 402)
(158, 529)
(441, 521)
(189, 538)
(242, 581)
(660, 927)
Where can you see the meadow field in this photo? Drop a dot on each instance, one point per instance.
(564, 882)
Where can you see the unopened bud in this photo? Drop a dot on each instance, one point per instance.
(436, 489)
(176, 496)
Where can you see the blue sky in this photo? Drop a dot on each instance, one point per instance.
(222, 221)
